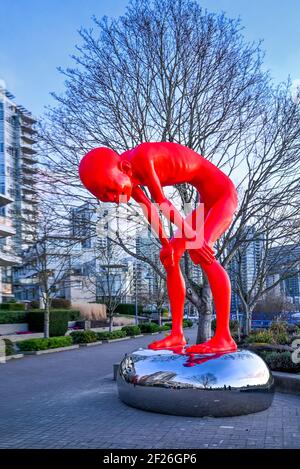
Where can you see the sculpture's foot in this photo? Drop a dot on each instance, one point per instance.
(172, 341)
(214, 345)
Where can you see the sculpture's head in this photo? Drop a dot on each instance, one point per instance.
(106, 175)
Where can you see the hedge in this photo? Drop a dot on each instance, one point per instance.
(280, 361)
(131, 330)
(44, 344)
(148, 327)
(12, 317)
(60, 303)
(124, 308)
(111, 335)
(84, 337)
(187, 323)
(12, 306)
(58, 320)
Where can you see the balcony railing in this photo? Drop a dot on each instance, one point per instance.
(29, 189)
(5, 199)
(26, 127)
(7, 259)
(5, 221)
(28, 179)
(29, 158)
(28, 169)
(27, 148)
(28, 138)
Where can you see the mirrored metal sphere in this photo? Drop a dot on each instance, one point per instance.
(218, 385)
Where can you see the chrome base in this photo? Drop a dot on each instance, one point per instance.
(217, 385)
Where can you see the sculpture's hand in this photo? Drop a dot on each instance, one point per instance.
(167, 256)
(203, 254)
(171, 254)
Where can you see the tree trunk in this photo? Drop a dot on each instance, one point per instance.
(205, 313)
(110, 327)
(47, 320)
(247, 320)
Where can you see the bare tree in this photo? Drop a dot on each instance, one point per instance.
(47, 263)
(110, 277)
(169, 71)
(274, 303)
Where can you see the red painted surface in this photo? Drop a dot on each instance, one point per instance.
(115, 178)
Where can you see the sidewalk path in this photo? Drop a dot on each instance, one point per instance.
(69, 400)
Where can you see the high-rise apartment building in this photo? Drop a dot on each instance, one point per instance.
(17, 176)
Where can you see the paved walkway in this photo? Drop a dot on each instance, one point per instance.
(68, 400)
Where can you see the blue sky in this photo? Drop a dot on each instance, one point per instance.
(36, 36)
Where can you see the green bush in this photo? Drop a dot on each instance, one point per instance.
(129, 308)
(292, 328)
(84, 337)
(55, 342)
(233, 325)
(9, 347)
(44, 344)
(187, 323)
(111, 335)
(277, 334)
(58, 320)
(12, 317)
(164, 312)
(166, 327)
(280, 332)
(149, 327)
(131, 330)
(261, 337)
(280, 361)
(60, 303)
(12, 306)
(34, 304)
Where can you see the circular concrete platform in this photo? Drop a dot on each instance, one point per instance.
(216, 385)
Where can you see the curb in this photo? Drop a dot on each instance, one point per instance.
(91, 344)
(287, 382)
(51, 350)
(108, 341)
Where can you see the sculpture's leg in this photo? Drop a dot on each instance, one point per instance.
(216, 221)
(176, 291)
(221, 290)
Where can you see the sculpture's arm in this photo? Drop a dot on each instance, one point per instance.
(151, 214)
(166, 207)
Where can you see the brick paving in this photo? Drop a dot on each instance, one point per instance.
(69, 400)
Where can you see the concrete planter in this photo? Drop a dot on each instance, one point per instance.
(51, 350)
(91, 344)
(135, 336)
(13, 357)
(287, 382)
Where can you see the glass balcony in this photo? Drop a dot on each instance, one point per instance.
(29, 190)
(6, 228)
(26, 128)
(27, 118)
(27, 148)
(28, 138)
(7, 259)
(28, 169)
(29, 158)
(5, 199)
(28, 179)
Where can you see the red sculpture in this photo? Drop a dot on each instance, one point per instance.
(115, 178)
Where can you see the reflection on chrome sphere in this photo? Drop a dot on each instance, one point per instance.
(217, 385)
